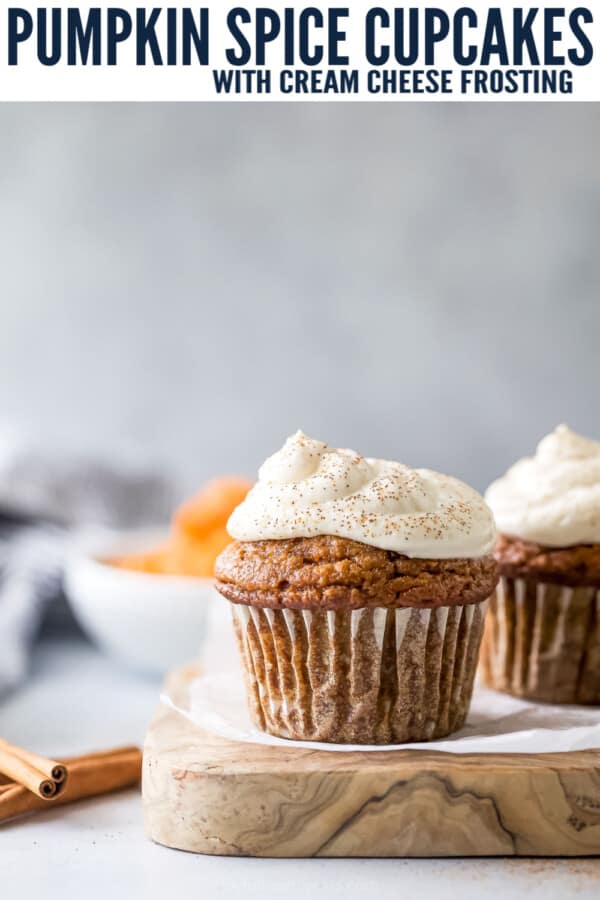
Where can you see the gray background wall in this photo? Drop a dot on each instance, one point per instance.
(195, 282)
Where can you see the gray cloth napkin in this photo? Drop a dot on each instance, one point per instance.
(45, 497)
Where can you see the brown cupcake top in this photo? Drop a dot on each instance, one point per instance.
(328, 572)
(575, 566)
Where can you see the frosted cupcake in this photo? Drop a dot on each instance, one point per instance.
(358, 589)
(542, 638)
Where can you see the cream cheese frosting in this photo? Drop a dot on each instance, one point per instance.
(308, 489)
(552, 498)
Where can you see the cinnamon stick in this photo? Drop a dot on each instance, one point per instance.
(21, 767)
(89, 776)
(54, 771)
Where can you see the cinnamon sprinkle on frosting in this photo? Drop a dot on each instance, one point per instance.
(308, 489)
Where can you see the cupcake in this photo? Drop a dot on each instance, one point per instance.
(542, 638)
(358, 589)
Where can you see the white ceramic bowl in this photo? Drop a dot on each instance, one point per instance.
(150, 622)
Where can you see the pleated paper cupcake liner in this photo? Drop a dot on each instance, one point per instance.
(366, 676)
(542, 641)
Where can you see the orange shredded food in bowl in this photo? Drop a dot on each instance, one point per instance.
(198, 533)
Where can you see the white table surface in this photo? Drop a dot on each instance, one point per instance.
(77, 700)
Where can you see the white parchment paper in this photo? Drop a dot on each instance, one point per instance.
(497, 723)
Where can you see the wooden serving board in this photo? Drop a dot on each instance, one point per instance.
(206, 794)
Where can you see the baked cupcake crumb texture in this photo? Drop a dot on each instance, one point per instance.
(579, 565)
(329, 572)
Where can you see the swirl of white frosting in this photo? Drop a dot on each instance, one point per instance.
(309, 489)
(552, 498)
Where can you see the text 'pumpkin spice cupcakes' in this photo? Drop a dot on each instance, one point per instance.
(542, 637)
(358, 590)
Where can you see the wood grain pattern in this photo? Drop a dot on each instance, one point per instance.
(206, 794)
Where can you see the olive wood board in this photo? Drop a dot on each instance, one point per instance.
(207, 794)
